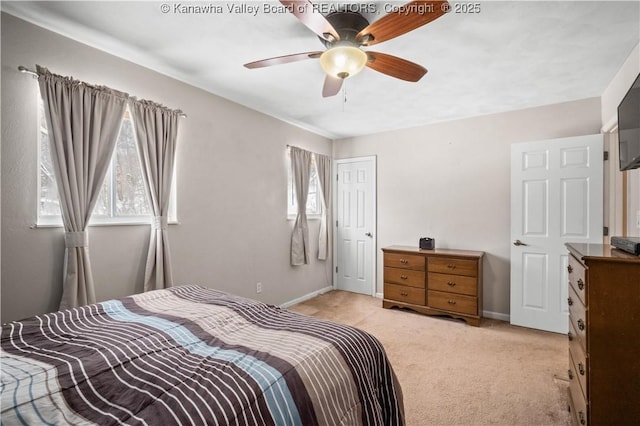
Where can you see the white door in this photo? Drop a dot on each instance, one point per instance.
(355, 225)
(556, 197)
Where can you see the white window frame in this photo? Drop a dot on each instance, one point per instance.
(49, 220)
(314, 191)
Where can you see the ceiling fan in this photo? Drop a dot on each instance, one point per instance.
(345, 32)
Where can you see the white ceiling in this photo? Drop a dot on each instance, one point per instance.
(510, 55)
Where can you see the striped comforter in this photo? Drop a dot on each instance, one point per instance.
(193, 356)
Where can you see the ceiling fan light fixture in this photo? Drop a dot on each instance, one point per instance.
(343, 61)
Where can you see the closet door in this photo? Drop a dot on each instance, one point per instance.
(355, 225)
(556, 197)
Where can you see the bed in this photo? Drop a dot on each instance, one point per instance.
(194, 356)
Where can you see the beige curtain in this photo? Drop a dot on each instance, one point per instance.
(83, 122)
(156, 134)
(300, 171)
(323, 167)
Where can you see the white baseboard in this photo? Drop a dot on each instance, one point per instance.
(497, 316)
(306, 297)
(486, 314)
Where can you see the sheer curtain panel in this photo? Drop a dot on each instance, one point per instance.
(301, 172)
(156, 134)
(83, 123)
(323, 167)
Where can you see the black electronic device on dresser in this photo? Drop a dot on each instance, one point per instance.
(427, 243)
(628, 244)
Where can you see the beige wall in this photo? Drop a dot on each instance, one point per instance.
(611, 97)
(451, 181)
(448, 180)
(233, 230)
(619, 86)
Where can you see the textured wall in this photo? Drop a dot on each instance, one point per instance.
(610, 100)
(233, 229)
(451, 181)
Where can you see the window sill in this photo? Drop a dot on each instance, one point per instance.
(98, 224)
(309, 217)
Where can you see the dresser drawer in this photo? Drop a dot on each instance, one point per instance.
(578, 319)
(580, 365)
(408, 277)
(578, 278)
(575, 347)
(578, 401)
(452, 265)
(453, 302)
(406, 261)
(453, 283)
(434, 282)
(403, 293)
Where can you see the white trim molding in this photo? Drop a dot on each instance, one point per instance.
(497, 316)
(306, 297)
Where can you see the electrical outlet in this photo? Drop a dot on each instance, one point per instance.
(258, 287)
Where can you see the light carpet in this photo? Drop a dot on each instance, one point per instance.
(455, 374)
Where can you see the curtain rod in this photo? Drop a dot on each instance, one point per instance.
(306, 150)
(26, 70)
(297, 147)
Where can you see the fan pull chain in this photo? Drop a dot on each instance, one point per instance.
(344, 94)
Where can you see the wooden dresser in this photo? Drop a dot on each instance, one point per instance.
(604, 335)
(434, 282)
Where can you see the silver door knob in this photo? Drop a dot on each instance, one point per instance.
(518, 243)
(369, 234)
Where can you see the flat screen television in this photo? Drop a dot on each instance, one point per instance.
(629, 128)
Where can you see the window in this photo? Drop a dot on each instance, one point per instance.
(123, 197)
(314, 197)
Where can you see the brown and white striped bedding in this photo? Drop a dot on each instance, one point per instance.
(193, 356)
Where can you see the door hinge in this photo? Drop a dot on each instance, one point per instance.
(337, 177)
(605, 231)
(605, 155)
(336, 269)
(336, 223)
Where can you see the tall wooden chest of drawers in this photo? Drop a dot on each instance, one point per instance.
(434, 282)
(604, 335)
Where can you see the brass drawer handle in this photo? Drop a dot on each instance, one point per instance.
(451, 283)
(580, 284)
(404, 261)
(583, 421)
(404, 293)
(570, 268)
(404, 277)
(570, 336)
(451, 302)
(451, 266)
(581, 325)
(581, 369)
(570, 374)
(570, 301)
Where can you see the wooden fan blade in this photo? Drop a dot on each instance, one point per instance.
(331, 86)
(395, 67)
(283, 59)
(407, 18)
(309, 15)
